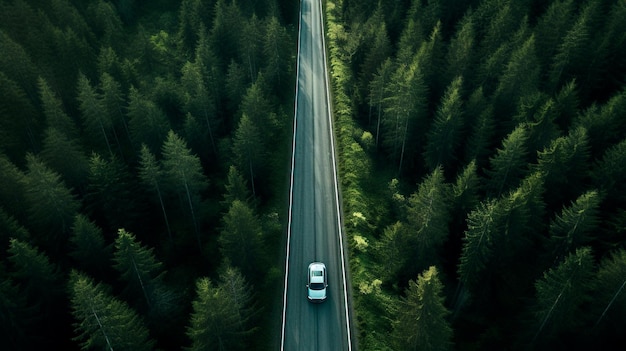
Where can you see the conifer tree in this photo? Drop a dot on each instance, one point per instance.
(249, 151)
(147, 122)
(508, 165)
(51, 205)
(564, 165)
(138, 268)
(575, 225)
(152, 177)
(65, 156)
(609, 302)
(460, 57)
(236, 188)
(96, 120)
(377, 90)
(12, 187)
(38, 277)
(561, 295)
(482, 223)
(183, 173)
(102, 321)
(109, 194)
(241, 239)
(444, 135)
(88, 247)
(608, 172)
(405, 111)
(276, 53)
(54, 112)
(215, 321)
(198, 100)
(421, 322)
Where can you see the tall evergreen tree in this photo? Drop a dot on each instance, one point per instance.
(609, 302)
(377, 91)
(236, 188)
(103, 321)
(575, 225)
(109, 196)
(241, 239)
(66, 157)
(508, 165)
(138, 268)
(444, 135)
(88, 246)
(151, 176)
(54, 112)
(39, 278)
(421, 322)
(93, 112)
(147, 122)
(562, 293)
(183, 172)
(51, 205)
(198, 100)
(249, 151)
(404, 113)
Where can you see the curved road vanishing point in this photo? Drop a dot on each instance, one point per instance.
(314, 231)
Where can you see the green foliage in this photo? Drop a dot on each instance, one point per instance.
(218, 320)
(241, 239)
(102, 321)
(138, 268)
(562, 293)
(444, 135)
(51, 205)
(88, 246)
(421, 322)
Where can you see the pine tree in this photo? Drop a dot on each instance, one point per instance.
(444, 135)
(241, 239)
(277, 54)
(88, 247)
(147, 122)
(214, 321)
(608, 172)
(575, 225)
(460, 57)
(421, 322)
(198, 100)
(482, 224)
(249, 151)
(236, 188)
(102, 321)
(404, 113)
(38, 277)
(51, 205)
(564, 165)
(65, 156)
(609, 302)
(54, 112)
(138, 268)
(93, 112)
(109, 193)
(562, 293)
(508, 165)
(151, 176)
(377, 89)
(183, 172)
(12, 187)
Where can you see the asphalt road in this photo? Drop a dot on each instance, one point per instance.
(315, 228)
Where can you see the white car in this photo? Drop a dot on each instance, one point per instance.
(317, 282)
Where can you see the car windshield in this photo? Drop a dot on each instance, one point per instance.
(316, 286)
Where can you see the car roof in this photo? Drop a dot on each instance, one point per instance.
(316, 266)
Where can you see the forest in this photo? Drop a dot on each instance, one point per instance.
(482, 149)
(144, 164)
(144, 153)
